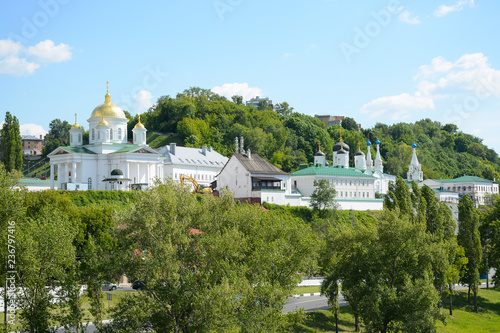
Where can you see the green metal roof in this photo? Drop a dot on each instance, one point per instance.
(33, 181)
(127, 149)
(78, 150)
(465, 179)
(330, 171)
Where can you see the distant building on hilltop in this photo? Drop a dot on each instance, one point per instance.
(31, 145)
(330, 120)
(255, 102)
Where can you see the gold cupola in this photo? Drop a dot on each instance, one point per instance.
(108, 109)
(103, 122)
(139, 124)
(76, 126)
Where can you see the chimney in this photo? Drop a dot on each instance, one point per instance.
(236, 148)
(242, 145)
(40, 137)
(204, 150)
(210, 149)
(249, 153)
(172, 148)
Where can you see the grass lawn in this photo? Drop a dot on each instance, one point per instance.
(85, 305)
(464, 319)
(306, 290)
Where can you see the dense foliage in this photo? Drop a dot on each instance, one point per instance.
(10, 143)
(286, 138)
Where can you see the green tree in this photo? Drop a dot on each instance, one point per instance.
(469, 239)
(57, 136)
(263, 105)
(323, 197)
(384, 269)
(11, 144)
(209, 263)
(237, 99)
(349, 124)
(283, 109)
(44, 252)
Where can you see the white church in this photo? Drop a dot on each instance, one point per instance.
(110, 162)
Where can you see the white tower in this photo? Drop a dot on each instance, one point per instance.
(342, 156)
(415, 169)
(75, 135)
(369, 161)
(378, 159)
(139, 133)
(359, 159)
(319, 158)
(102, 131)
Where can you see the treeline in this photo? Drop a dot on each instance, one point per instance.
(288, 138)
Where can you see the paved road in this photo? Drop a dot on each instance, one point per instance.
(312, 303)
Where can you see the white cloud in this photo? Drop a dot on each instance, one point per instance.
(287, 55)
(13, 65)
(8, 47)
(444, 10)
(17, 59)
(143, 100)
(398, 107)
(242, 89)
(47, 51)
(470, 73)
(405, 17)
(32, 129)
(455, 89)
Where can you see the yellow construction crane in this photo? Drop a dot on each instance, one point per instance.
(198, 188)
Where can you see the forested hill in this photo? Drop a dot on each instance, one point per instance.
(286, 138)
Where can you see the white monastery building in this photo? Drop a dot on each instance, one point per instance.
(111, 162)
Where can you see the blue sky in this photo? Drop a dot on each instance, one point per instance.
(376, 61)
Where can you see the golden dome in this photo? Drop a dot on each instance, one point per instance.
(103, 122)
(108, 109)
(76, 126)
(139, 124)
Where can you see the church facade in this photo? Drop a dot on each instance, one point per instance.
(109, 161)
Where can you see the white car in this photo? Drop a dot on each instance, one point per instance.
(109, 286)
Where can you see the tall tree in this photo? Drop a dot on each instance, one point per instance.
(237, 99)
(349, 124)
(323, 197)
(11, 144)
(469, 238)
(58, 136)
(283, 109)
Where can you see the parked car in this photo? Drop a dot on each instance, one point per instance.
(139, 285)
(106, 285)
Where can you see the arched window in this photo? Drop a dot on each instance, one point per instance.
(143, 137)
(89, 183)
(93, 134)
(98, 135)
(119, 134)
(111, 134)
(79, 137)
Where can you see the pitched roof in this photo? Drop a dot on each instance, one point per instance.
(465, 179)
(193, 156)
(258, 165)
(330, 171)
(30, 137)
(77, 150)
